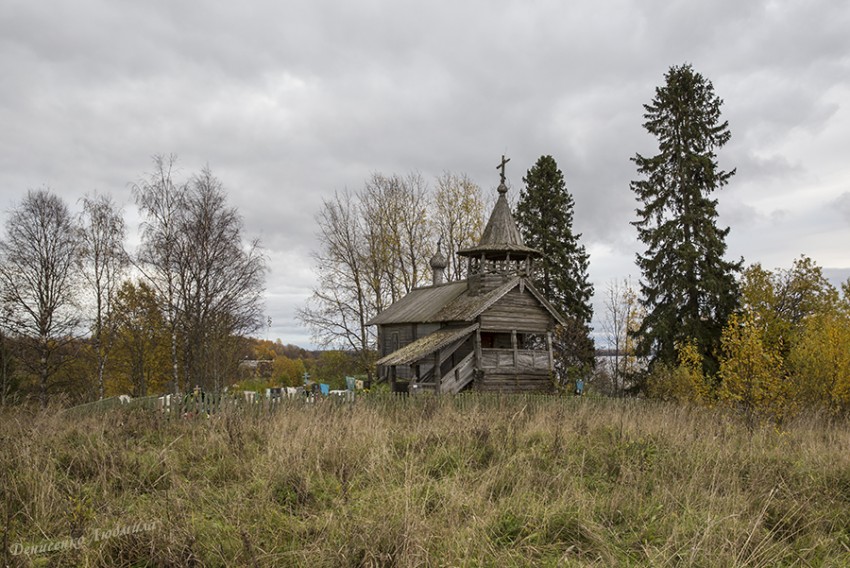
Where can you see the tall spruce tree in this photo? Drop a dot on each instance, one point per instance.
(545, 215)
(687, 287)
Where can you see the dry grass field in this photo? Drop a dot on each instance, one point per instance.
(465, 481)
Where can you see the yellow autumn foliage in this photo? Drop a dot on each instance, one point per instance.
(289, 372)
(751, 374)
(819, 361)
(682, 383)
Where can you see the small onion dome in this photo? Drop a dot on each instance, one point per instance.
(438, 265)
(438, 261)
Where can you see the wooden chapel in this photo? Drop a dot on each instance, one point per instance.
(490, 332)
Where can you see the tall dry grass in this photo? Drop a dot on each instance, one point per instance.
(466, 481)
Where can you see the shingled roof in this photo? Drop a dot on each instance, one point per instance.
(427, 345)
(451, 303)
(420, 305)
(501, 234)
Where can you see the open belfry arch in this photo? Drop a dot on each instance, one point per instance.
(490, 332)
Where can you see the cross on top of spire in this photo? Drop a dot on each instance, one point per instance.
(501, 166)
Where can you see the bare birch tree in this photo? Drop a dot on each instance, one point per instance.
(160, 200)
(221, 281)
(394, 212)
(37, 273)
(209, 280)
(621, 322)
(344, 300)
(103, 260)
(415, 242)
(374, 250)
(375, 247)
(458, 218)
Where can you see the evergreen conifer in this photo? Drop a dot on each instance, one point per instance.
(545, 216)
(687, 287)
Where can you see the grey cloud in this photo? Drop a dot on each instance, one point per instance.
(842, 204)
(288, 102)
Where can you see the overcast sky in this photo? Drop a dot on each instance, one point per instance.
(288, 101)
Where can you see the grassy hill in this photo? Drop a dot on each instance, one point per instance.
(469, 481)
